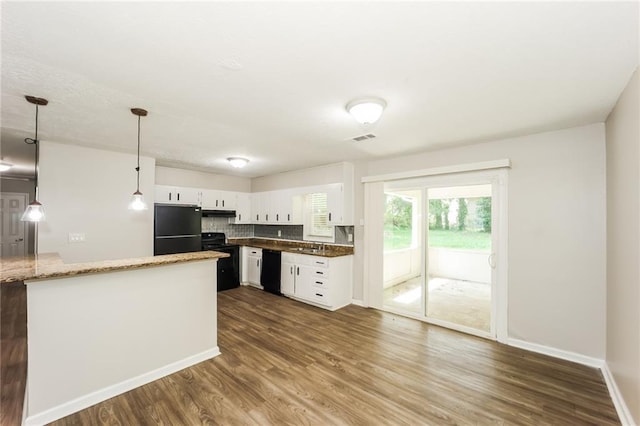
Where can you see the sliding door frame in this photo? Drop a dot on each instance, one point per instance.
(374, 208)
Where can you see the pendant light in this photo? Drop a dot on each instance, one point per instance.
(35, 211)
(137, 200)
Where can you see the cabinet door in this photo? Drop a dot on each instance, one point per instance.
(162, 194)
(226, 200)
(256, 205)
(288, 279)
(185, 195)
(284, 209)
(253, 269)
(335, 203)
(208, 199)
(243, 208)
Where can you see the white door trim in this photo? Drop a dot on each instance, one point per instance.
(374, 251)
(445, 170)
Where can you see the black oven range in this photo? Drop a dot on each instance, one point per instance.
(228, 267)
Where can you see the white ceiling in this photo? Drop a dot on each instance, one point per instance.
(270, 80)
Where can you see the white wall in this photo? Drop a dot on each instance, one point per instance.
(94, 336)
(623, 246)
(87, 190)
(191, 178)
(556, 247)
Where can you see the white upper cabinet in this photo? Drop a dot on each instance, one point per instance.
(243, 208)
(282, 206)
(339, 205)
(176, 195)
(218, 200)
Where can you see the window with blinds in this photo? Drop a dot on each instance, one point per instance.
(319, 215)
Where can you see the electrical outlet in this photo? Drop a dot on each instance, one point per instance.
(279, 233)
(76, 237)
(350, 238)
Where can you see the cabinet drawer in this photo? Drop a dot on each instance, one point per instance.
(320, 296)
(320, 262)
(320, 273)
(320, 283)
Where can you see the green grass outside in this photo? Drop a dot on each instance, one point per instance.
(464, 240)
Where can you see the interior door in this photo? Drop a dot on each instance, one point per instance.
(13, 241)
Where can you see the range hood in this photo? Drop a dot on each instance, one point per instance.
(218, 213)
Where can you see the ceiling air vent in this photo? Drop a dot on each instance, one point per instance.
(363, 137)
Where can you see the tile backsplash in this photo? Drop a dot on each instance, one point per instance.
(221, 224)
(288, 232)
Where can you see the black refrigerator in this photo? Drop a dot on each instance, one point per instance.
(177, 229)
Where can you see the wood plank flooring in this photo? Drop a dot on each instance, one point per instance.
(284, 362)
(13, 352)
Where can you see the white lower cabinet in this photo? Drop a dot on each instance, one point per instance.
(321, 281)
(251, 265)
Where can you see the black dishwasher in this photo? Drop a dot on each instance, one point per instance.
(270, 275)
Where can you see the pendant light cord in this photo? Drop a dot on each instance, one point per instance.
(138, 168)
(35, 141)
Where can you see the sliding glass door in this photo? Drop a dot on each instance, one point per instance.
(439, 251)
(458, 256)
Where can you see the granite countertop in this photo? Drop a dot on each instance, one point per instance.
(50, 265)
(300, 247)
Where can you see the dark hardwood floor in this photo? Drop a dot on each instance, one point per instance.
(284, 362)
(13, 352)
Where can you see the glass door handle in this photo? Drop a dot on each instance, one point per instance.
(491, 260)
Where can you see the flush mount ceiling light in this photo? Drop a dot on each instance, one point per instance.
(238, 162)
(5, 166)
(366, 111)
(137, 201)
(35, 211)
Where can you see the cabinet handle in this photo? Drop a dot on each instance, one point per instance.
(291, 270)
(267, 217)
(319, 282)
(277, 217)
(319, 263)
(258, 263)
(178, 196)
(239, 216)
(257, 217)
(297, 270)
(169, 196)
(288, 218)
(319, 273)
(216, 203)
(318, 294)
(222, 203)
(329, 217)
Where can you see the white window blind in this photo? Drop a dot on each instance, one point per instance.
(319, 215)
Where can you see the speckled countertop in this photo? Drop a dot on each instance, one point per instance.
(50, 265)
(301, 247)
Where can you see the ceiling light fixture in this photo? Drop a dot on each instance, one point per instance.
(5, 166)
(34, 211)
(137, 201)
(238, 162)
(366, 111)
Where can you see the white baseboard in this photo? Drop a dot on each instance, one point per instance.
(358, 302)
(556, 353)
(621, 407)
(93, 398)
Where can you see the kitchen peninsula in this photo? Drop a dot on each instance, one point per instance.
(103, 328)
